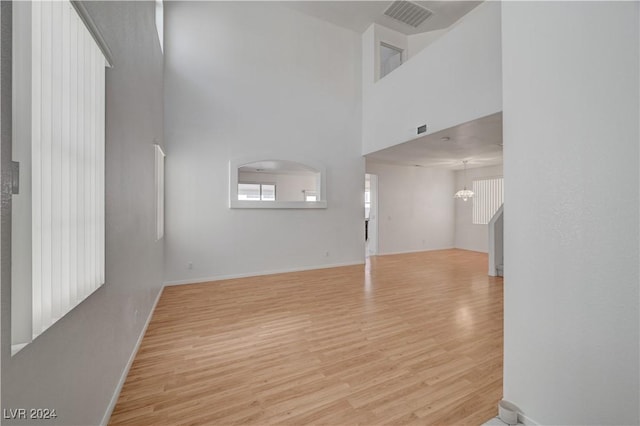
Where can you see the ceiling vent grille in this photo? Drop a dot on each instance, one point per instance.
(408, 13)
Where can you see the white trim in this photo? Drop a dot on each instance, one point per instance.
(471, 250)
(250, 204)
(132, 357)
(159, 175)
(527, 421)
(416, 251)
(259, 274)
(493, 267)
(372, 243)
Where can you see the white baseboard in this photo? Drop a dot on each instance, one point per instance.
(527, 421)
(125, 373)
(412, 251)
(258, 274)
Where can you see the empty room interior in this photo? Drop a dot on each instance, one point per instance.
(320, 212)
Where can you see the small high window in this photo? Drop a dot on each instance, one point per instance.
(390, 58)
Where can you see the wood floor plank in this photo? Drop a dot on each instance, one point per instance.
(406, 339)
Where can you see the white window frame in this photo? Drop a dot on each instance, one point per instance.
(382, 71)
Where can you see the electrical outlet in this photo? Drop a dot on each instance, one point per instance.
(190, 265)
(326, 254)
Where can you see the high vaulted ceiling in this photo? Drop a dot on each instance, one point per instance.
(478, 141)
(359, 15)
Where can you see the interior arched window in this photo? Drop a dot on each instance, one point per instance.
(269, 183)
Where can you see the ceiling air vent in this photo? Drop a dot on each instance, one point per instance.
(408, 13)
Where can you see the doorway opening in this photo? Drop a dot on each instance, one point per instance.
(370, 215)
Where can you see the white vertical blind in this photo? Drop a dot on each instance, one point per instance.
(159, 157)
(487, 199)
(68, 74)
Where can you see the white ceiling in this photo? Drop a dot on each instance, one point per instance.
(359, 15)
(478, 141)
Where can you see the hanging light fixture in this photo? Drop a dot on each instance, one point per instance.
(465, 193)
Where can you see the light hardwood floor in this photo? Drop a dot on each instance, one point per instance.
(408, 339)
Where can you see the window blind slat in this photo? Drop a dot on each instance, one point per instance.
(86, 54)
(55, 181)
(79, 245)
(89, 169)
(65, 166)
(36, 183)
(101, 168)
(45, 147)
(96, 181)
(93, 212)
(73, 158)
(91, 165)
(80, 167)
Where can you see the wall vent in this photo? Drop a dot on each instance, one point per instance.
(408, 13)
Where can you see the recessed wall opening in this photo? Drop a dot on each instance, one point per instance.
(390, 58)
(276, 184)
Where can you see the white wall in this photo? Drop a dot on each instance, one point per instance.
(75, 366)
(467, 235)
(417, 42)
(370, 63)
(571, 151)
(455, 79)
(258, 79)
(415, 208)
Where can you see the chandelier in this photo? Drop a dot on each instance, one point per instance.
(465, 193)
